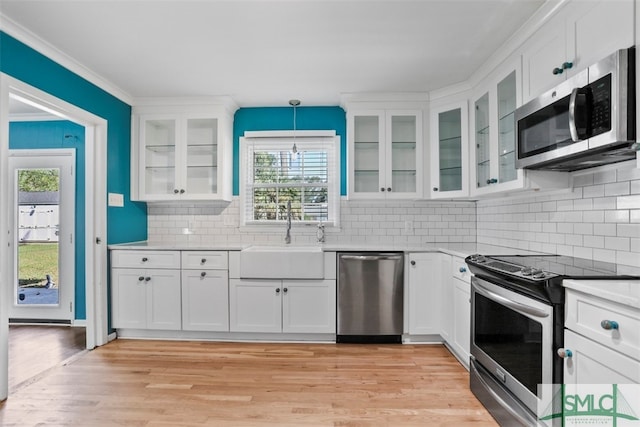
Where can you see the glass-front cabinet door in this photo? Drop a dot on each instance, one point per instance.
(180, 157)
(507, 128)
(403, 165)
(201, 166)
(367, 154)
(449, 144)
(494, 134)
(482, 141)
(385, 152)
(158, 154)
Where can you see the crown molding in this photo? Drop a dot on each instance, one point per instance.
(29, 38)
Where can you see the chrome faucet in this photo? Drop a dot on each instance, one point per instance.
(320, 233)
(287, 238)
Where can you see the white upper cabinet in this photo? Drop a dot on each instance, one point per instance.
(181, 153)
(582, 33)
(385, 154)
(493, 147)
(448, 149)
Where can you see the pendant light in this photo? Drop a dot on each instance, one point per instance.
(294, 103)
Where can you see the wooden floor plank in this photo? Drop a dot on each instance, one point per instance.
(169, 383)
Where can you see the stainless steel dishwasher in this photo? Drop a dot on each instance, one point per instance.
(370, 297)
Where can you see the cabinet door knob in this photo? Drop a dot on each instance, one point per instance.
(285, 290)
(435, 188)
(382, 189)
(146, 279)
(203, 274)
(389, 189)
(203, 260)
(463, 269)
(175, 191)
(609, 325)
(413, 263)
(492, 181)
(565, 353)
(145, 259)
(140, 279)
(277, 290)
(558, 70)
(182, 191)
(567, 65)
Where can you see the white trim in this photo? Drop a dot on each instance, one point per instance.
(289, 133)
(47, 49)
(95, 211)
(65, 160)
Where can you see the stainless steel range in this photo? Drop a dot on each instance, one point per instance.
(517, 320)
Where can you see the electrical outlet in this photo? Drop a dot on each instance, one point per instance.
(115, 199)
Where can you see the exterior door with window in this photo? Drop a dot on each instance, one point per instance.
(42, 214)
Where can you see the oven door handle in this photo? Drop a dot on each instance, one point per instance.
(506, 301)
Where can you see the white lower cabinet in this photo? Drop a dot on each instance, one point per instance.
(601, 341)
(462, 320)
(205, 300)
(456, 310)
(146, 299)
(290, 306)
(205, 291)
(593, 363)
(425, 278)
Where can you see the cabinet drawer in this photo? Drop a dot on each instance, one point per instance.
(460, 269)
(145, 259)
(205, 260)
(585, 314)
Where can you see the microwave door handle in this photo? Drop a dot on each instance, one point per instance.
(507, 302)
(577, 94)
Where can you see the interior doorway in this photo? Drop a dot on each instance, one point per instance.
(43, 207)
(95, 224)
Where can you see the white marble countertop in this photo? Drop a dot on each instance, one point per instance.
(456, 249)
(625, 292)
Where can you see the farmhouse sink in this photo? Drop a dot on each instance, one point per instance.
(282, 262)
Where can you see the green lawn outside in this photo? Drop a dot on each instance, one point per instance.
(36, 260)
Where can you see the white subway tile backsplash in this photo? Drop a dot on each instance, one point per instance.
(628, 202)
(617, 189)
(593, 191)
(616, 216)
(617, 243)
(629, 230)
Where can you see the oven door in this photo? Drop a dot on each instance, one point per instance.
(512, 339)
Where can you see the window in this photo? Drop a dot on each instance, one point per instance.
(274, 174)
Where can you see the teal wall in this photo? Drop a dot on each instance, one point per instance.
(281, 118)
(51, 134)
(125, 224)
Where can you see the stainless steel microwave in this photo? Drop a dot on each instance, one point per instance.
(587, 121)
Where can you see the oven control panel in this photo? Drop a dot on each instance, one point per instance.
(516, 270)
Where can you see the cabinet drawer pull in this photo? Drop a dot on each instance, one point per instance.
(565, 353)
(145, 259)
(609, 325)
(203, 260)
(203, 274)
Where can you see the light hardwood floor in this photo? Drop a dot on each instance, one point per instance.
(168, 383)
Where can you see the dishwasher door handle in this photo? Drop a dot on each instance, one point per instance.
(372, 257)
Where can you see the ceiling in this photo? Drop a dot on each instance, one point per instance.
(265, 52)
